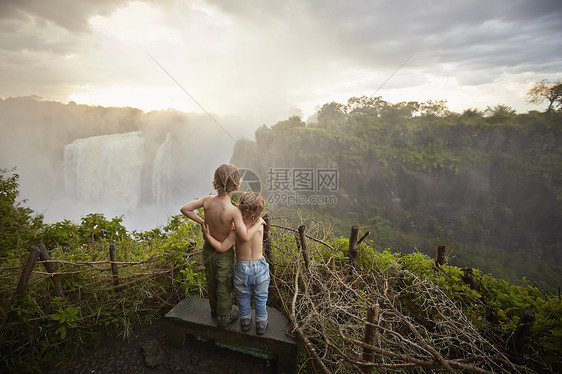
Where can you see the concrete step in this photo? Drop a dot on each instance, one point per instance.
(192, 316)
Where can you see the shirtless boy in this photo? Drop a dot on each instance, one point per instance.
(251, 272)
(220, 219)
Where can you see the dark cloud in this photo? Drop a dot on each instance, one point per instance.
(53, 27)
(485, 33)
(70, 15)
(23, 35)
(381, 34)
(280, 47)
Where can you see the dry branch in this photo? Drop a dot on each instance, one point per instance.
(418, 327)
(436, 364)
(309, 346)
(363, 238)
(308, 236)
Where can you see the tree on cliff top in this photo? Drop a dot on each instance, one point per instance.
(545, 90)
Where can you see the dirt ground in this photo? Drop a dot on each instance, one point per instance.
(147, 353)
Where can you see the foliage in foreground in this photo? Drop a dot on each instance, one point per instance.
(428, 315)
(425, 312)
(156, 269)
(19, 227)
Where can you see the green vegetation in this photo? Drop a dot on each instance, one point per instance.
(485, 184)
(18, 226)
(40, 330)
(420, 299)
(157, 268)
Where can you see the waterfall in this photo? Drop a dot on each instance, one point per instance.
(161, 172)
(105, 169)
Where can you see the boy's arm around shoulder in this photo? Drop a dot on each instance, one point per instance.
(240, 226)
(255, 228)
(220, 247)
(189, 209)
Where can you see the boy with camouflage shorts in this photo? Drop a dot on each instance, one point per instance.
(251, 272)
(221, 217)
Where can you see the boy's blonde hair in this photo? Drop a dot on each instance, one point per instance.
(226, 178)
(251, 205)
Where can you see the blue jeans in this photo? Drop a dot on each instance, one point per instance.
(251, 279)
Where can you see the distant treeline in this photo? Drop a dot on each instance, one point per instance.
(485, 183)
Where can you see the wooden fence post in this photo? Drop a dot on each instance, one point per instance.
(352, 253)
(373, 313)
(50, 267)
(303, 248)
(114, 269)
(26, 273)
(521, 334)
(267, 243)
(440, 255)
(24, 280)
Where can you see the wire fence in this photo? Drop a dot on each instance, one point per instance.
(349, 318)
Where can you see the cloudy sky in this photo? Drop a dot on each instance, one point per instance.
(268, 59)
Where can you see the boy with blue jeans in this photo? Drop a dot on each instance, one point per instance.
(251, 272)
(221, 217)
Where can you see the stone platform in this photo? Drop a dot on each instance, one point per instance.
(192, 316)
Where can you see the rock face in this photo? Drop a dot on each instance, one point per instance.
(520, 210)
(515, 203)
(486, 180)
(458, 193)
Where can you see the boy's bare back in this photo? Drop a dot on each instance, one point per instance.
(248, 244)
(220, 215)
(251, 250)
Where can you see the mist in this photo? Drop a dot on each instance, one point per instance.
(78, 159)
